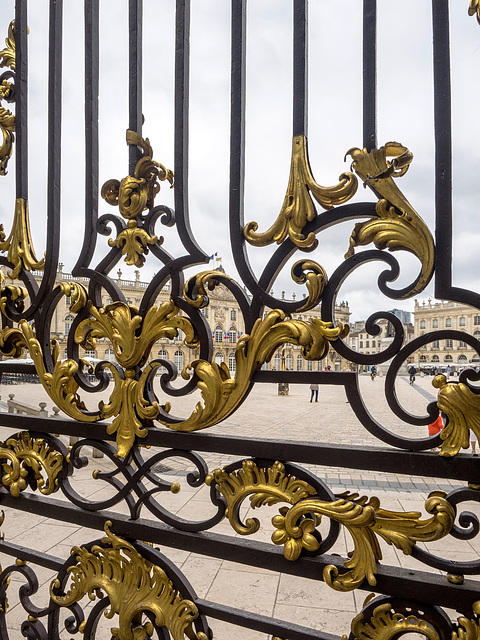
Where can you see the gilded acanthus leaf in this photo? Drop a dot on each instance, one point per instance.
(366, 522)
(222, 394)
(28, 458)
(462, 407)
(263, 487)
(298, 207)
(7, 119)
(468, 628)
(18, 245)
(315, 277)
(133, 585)
(398, 225)
(474, 9)
(384, 624)
(133, 195)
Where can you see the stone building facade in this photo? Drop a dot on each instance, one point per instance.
(223, 315)
(456, 354)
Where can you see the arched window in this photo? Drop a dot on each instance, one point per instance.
(289, 362)
(68, 323)
(422, 324)
(233, 314)
(231, 362)
(448, 358)
(278, 361)
(110, 355)
(435, 358)
(462, 358)
(476, 358)
(423, 358)
(178, 359)
(163, 355)
(299, 363)
(218, 334)
(448, 322)
(218, 357)
(233, 335)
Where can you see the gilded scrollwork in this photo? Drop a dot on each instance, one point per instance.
(474, 9)
(7, 119)
(19, 245)
(364, 519)
(133, 585)
(314, 276)
(222, 394)
(462, 408)
(262, 486)
(468, 628)
(398, 225)
(385, 624)
(298, 206)
(133, 195)
(25, 460)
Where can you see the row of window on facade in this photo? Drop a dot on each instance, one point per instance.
(219, 335)
(462, 358)
(462, 322)
(449, 344)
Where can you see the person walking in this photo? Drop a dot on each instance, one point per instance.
(412, 371)
(435, 427)
(314, 391)
(373, 372)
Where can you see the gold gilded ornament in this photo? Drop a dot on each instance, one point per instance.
(314, 276)
(398, 225)
(26, 457)
(195, 292)
(222, 394)
(365, 521)
(263, 487)
(298, 207)
(133, 585)
(468, 628)
(474, 9)
(7, 119)
(18, 245)
(384, 624)
(133, 195)
(462, 407)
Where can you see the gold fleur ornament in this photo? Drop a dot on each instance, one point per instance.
(7, 119)
(133, 195)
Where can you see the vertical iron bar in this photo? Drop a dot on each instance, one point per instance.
(369, 74)
(135, 29)
(54, 144)
(300, 67)
(91, 131)
(21, 99)
(443, 147)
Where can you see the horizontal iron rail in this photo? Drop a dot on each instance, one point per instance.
(462, 467)
(394, 581)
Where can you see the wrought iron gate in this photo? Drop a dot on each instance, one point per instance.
(122, 572)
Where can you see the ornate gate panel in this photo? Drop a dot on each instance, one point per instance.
(137, 427)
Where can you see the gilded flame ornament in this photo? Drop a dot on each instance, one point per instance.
(298, 206)
(133, 195)
(25, 458)
(474, 9)
(398, 226)
(133, 585)
(462, 407)
(385, 624)
(19, 245)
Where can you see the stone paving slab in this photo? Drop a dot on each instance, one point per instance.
(264, 414)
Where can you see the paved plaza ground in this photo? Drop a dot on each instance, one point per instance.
(264, 414)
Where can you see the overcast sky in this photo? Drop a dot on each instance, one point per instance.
(405, 108)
